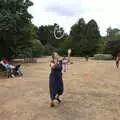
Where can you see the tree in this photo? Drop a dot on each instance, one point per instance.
(15, 22)
(49, 49)
(83, 38)
(102, 45)
(92, 36)
(46, 35)
(77, 34)
(113, 41)
(65, 45)
(37, 48)
(113, 45)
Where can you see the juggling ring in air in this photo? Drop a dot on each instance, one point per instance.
(58, 30)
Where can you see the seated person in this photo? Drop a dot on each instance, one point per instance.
(6, 64)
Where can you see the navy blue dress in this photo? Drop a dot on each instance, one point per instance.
(55, 81)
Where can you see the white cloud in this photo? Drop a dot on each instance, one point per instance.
(105, 12)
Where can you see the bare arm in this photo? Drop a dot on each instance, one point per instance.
(53, 65)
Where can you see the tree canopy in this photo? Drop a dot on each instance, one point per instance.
(19, 37)
(15, 24)
(83, 38)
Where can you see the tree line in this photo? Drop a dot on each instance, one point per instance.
(20, 38)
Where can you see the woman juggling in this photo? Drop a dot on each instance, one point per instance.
(55, 79)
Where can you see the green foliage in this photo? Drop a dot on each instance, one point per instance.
(46, 35)
(102, 45)
(15, 22)
(26, 52)
(103, 57)
(113, 46)
(49, 49)
(37, 48)
(110, 44)
(65, 45)
(93, 36)
(83, 38)
(77, 38)
(20, 38)
(113, 41)
(51, 44)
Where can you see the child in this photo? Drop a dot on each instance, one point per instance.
(65, 61)
(117, 61)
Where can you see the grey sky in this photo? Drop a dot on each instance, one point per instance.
(67, 12)
(65, 9)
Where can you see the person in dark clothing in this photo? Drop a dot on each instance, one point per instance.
(86, 57)
(55, 80)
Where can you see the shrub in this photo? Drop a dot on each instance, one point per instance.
(25, 52)
(49, 49)
(103, 57)
(37, 48)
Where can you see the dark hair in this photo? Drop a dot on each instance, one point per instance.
(52, 61)
(52, 55)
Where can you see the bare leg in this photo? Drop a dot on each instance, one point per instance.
(9, 72)
(65, 67)
(117, 64)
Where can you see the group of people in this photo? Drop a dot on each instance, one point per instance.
(12, 70)
(56, 86)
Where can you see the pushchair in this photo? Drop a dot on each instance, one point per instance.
(9, 72)
(16, 71)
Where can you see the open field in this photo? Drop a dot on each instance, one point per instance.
(92, 92)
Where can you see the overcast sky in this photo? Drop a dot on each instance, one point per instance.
(67, 12)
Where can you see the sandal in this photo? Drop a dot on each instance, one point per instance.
(52, 105)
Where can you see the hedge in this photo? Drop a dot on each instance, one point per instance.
(103, 57)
